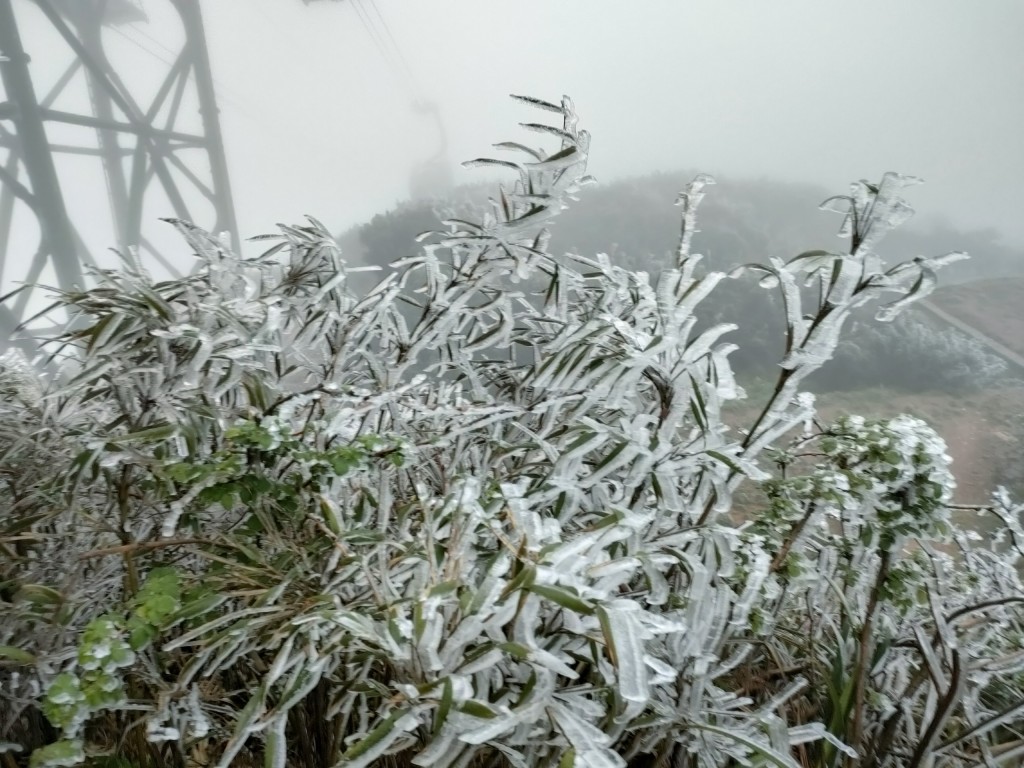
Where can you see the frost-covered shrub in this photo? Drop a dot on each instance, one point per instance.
(260, 518)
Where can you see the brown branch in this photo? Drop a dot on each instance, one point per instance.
(942, 713)
(794, 534)
(864, 652)
(138, 546)
(982, 606)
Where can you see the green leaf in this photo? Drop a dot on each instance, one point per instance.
(373, 743)
(69, 752)
(149, 435)
(37, 594)
(812, 256)
(445, 706)
(610, 457)
(330, 514)
(517, 651)
(140, 634)
(522, 580)
(478, 709)
(102, 690)
(564, 597)
(254, 709)
(64, 703)
(197, 606)
(759, 749)
(16, 655)
(727, 460)
(275, 750)
(444, 588)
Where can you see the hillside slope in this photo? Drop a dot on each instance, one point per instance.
(993, 307)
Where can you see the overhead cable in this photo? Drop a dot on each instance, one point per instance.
(387, 46)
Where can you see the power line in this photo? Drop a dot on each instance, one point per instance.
(225, 94)
(394, 44)
(142, 47)
(138, 28)
(392, 54)
(372, 21)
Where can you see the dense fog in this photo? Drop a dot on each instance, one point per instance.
(335, 108)
(797, 91)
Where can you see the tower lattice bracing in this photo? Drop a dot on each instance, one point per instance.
(96, 147)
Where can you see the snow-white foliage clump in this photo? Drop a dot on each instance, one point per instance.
(457, 521)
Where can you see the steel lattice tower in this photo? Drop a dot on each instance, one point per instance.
(133, 133)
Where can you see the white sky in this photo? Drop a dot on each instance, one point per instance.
(316, 121)
(811, 91)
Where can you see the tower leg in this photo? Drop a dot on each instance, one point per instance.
(195, 35)
(47, 200)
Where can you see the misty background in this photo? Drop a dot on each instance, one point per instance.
(797, 91)
(318, 99)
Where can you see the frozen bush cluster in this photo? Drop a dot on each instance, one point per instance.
(458, 520)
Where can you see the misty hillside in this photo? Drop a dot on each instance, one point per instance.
(992, 306)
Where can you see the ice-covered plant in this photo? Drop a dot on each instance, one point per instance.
(463, 520)
(865, 591)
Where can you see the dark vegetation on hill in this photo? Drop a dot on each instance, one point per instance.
(745, 221)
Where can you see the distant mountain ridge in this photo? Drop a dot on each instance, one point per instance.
(742, 220)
